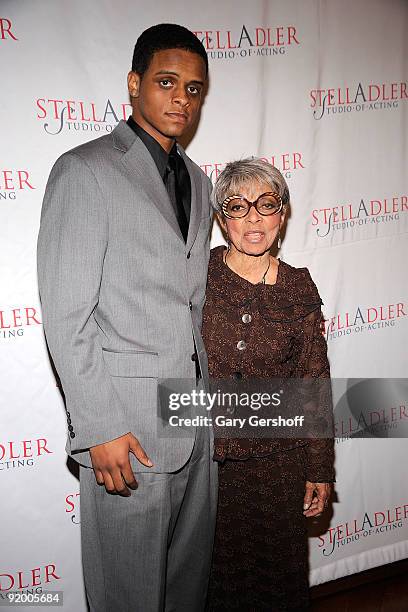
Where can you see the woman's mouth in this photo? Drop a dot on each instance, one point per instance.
(254, 236)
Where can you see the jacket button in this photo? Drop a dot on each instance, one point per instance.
(72, 435)
(68, 414)
(69, 421)
(70, 428)
(241, 345)
(190, 306)
(237, 375)
(194, 357)
(246, 318)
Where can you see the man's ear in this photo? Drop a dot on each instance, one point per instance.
(133, 80)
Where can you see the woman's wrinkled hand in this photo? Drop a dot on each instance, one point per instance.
(316, 498)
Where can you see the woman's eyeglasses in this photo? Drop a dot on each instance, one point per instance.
(237, 207)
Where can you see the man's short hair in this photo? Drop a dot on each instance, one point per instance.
(162, 37)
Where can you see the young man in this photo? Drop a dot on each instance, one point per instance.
(122, 263)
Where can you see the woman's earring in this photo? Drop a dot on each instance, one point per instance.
(279, 240)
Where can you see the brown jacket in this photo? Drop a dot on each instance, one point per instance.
(262, 332)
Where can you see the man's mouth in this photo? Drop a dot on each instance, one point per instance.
(178, 117)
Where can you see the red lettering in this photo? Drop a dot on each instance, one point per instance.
(49, 571)
(93, 114)
(208, 40)
(12, 456)
(8, 180)
(23, 179)
(205, 167)
(17, 317)
(369, 319)
(384, 97)
(31, 316)
(20, 581)
(83, 118)
(330, 97)
(71, 109)
(2, 585)
(41, 108)
(400, 310)
(55, 104)
(258, 42)
(35, 573)
(42, 446)
(297, 160)
(315, 217)
(5, 29)
(219, 46)
(373, 207)
(292, 35)
(27, 448)
(230, 45)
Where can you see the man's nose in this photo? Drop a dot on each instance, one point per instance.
(180, 96)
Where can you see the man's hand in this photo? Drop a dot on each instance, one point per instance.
(316, 498)
(111, 463)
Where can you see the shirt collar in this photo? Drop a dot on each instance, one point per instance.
(160, 156)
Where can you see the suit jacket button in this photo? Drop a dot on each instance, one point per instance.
(237, 375)
(68, 414)
(70, 428)
(190, 306)
(72, 434)
(194, 357)
(69, 421)
(188, 255)
(241, 345)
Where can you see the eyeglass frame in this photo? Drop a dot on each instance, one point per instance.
(254, 204)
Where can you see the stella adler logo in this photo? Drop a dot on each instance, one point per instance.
(244, 41)
(361, 97)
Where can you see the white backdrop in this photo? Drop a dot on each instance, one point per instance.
(319, 88)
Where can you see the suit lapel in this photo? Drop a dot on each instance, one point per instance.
(196, 206)
(143, 172)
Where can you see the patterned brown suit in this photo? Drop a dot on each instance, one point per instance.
(260, 332)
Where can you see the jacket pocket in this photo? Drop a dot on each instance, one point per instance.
(131, 364)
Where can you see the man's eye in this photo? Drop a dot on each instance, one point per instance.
(165, 83)
(193, 90)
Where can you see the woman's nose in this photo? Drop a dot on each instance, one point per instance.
(253, 215)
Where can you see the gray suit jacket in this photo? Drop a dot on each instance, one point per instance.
(121, 292)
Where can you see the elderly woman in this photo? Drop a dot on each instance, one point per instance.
(262, 319)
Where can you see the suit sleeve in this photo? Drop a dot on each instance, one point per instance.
(72, 242)
(313, 366)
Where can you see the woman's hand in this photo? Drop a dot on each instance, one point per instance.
(316, 498)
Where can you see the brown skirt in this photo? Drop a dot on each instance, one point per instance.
(260, 559)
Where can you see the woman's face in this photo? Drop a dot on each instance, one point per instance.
(255, 233)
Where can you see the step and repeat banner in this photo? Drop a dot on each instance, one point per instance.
(317, 88)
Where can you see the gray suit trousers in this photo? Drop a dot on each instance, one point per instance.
(151, 552)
